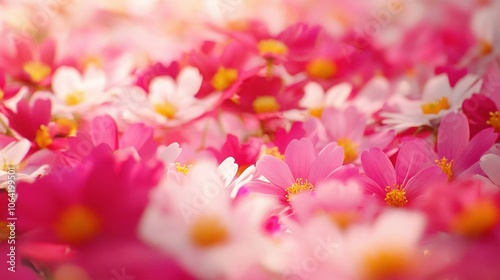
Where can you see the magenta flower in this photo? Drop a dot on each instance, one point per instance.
(404, 183)
(301, 170)
(456, 155)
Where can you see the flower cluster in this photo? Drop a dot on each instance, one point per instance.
(245, 139)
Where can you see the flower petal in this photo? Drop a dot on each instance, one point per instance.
(299, 156)
(490, 164)
(453, 135)
(378, 167)
(276, 171)
(330, 158)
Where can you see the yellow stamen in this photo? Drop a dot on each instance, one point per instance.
(446, 166)
(274, 151)
(37, 71)
(224, 78)
(350, 149)
(271, 46)
(298, 187)
(42, 138)
(74, 98)
(78, 224)
(316, 112)
(265, 104)
(436, 107)
(477, 219)
(486, 48)
(321, 68)
(396, 196)
(208, 231)
(4, 231)
(66, 127)
(343, 219)
(165, 109)
(386, 264)
(92, 61)
(184, 169)
(2, 94)
(494, 120)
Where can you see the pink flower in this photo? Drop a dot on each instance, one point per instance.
(456, 154)
(403, 184)
(301, 170)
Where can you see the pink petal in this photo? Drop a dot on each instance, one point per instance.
(413, 156)
(276, 171)
(104, 130)
(299, 156)
(378, 167)
(424, 179)
(491, 165)
(453, 135)
(330, 158)
(342, 173)
(476, 148)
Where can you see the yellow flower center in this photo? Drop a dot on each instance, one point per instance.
(184, 169)
(224, 78)
(494, 120)
(165, 109)
(92, 61)
(271, 46)
(274, 151)
(66, 126)
(446, 165)
(78, 224)
(436, 107)
(37, 71)
(477, 219)
(42, 138)
(350, 149)
(343, 219)
(486, 48)
(321, 68)
(386, 264)
(74, 98)
(208, 231)
(4, 231)
(316, 112)
(396, 196)
(298, 187)
(2, 94)
(265, 104)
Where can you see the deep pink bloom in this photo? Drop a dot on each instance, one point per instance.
(456, 154)
(482, 113)
(407, 181)
(244, 154)
(301, 170)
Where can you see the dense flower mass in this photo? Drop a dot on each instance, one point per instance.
(250, 139)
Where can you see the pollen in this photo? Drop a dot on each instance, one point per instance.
(66, 127)
(37, 71)
(350, 149)
(42, 138)
(477, 219)
(436, 107)
(299, 186)
(494, 120)
(208, 231)
(271, 46)
(224, 78)
(184, 169)
(386, 264)
(275, 152)
(4, 231)
(74, 98)
(165, 109)
(396, 196)
(78, 224)
(316, 112)
(2, 94)
(321, 68)
(265, 104)
(486, 48)
(446, 166)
